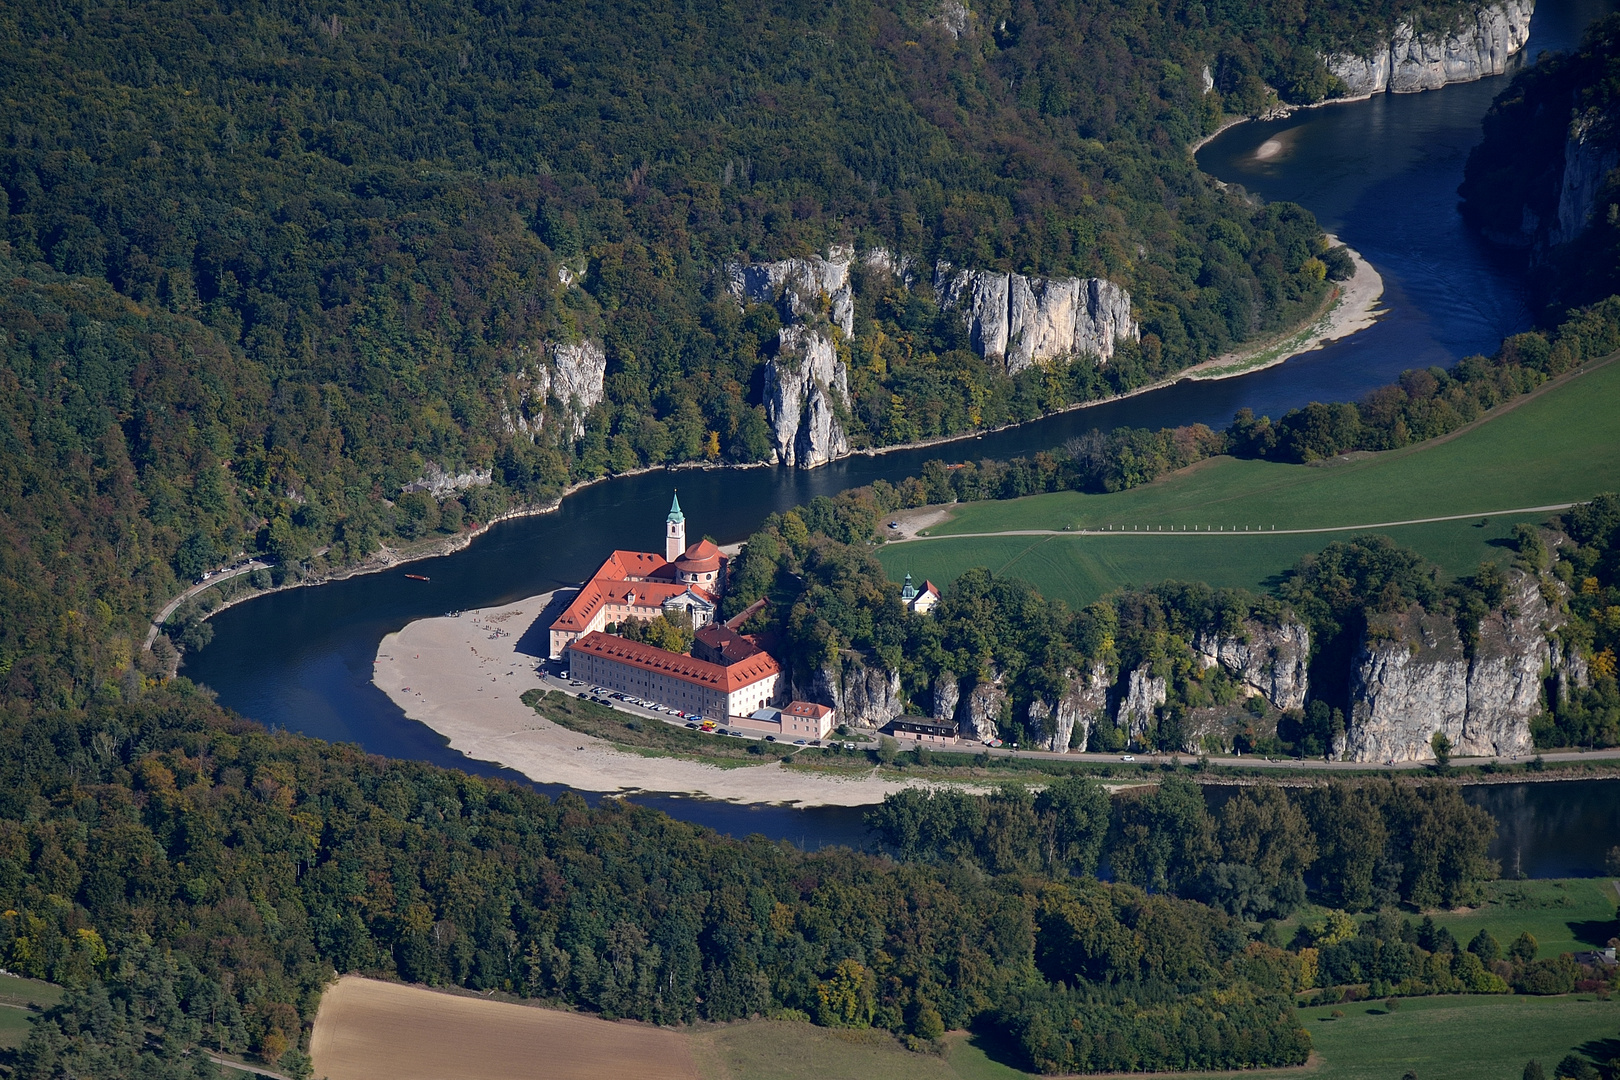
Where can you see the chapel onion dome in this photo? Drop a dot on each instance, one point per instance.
(699, 564)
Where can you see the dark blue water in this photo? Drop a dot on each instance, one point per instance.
(1381, 174)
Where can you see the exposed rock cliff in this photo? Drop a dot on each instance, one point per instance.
(983, 711)
(440, 484)
(1144, 692)
(1081, 706)
(1589, 158)
(1023, 320)
(573, 374)
(799, 405)
(1412, 679)
(946, 695)
(799, 287)
(865, 694)
(1271, 659)
(1404, 64)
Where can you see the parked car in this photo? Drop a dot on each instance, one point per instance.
(770, 738)
(1127, 757)
(692, 725)
(582, 694)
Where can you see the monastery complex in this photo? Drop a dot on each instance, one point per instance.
(729, 676)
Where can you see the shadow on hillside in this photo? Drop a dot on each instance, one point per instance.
(997, 1046)
(1592, 931)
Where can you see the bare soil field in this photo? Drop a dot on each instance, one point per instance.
(369, 1030)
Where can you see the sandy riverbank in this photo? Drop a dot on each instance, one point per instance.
(452, 675)
(1355, 307)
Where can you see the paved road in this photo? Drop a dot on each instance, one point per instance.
(1254, 761)
(1135, 530)
(225, 575)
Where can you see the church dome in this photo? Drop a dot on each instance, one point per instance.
(701, 558)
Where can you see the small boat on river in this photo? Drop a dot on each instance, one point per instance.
(418, 577)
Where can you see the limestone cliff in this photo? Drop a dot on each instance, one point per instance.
(800, 384)
(865, 694)
(1023, 320)
(441, 484)
(1590, 155)
(1405, 63)
(572, 374)
(983, 710)
(946, 695)
(1412, 679)
(799, 288)
(1081, 706)
(1135, 711)
(1271, 659)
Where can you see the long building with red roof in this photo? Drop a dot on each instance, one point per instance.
(699, 687)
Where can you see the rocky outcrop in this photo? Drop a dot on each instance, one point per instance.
(572, 374)
(946, 695)
(799, 288)
(902, 268)
(800, 384)
(1407, 63)
(865, 694)
(1271, 659)
(1589, 158)
(1025, 320)
(1080, 707)
(1570, 671)
(1412, 679)
(1134, 712)
(441, 485)
(983, 711)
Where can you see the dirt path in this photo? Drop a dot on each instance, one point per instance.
(1234, 531)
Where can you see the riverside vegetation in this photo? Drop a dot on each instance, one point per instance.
(264, 267)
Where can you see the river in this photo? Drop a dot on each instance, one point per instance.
(1381, 174)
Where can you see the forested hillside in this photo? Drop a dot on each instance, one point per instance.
(267, 263)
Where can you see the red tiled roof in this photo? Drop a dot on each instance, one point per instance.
(726, 678)
(649, 576)
(701, 558)
(808, 709)
(929, 586)
(727, 644)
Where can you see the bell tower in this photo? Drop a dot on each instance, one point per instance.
(675, 531)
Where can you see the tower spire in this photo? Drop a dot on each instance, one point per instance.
(674, 531)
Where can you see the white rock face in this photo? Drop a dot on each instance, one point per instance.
(574, 374)
(800, 384)
(903, 268)
(865, 695)
(1144, 692)
(1024, 320)
(441, 485)
(946, 694)
(1406, 64)
(983, 710)
(1271, 659)
(1412, 679)
(796, 287)
(1587, 163)
(1082, 706)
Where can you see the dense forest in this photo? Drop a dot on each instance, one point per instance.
(266, 264)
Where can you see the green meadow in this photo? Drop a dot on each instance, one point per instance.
(1562, 446)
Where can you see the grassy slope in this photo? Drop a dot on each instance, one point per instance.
(1560, 447)
(1563, 915)
(16, 995)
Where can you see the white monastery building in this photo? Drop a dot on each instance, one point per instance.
(701, 687)
(728, 675)
(641, 585)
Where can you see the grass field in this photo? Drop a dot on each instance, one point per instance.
(1563, 914)
(19, 998)
(1562, 446)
